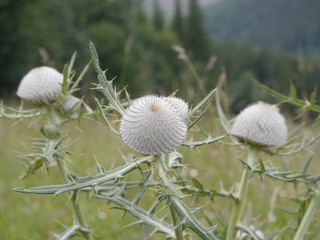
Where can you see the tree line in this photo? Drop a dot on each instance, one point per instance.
(136, 47)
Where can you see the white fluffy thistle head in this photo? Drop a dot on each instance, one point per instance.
(40, 86)
(151, 125)
(181, 107)
(261, 124)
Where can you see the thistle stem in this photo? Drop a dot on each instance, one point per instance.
(178, 233)
(239, 204)
(73, 198)
(178, 207)
(54, 118)
(308, 216)
(161, 169)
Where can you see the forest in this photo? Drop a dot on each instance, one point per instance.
(124, 120)
(136, 46)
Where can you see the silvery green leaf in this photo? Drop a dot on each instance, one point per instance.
(143, 216)
(90, 181)
(105, 86)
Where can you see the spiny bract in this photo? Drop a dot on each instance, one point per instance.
(151, 125)
(260, 124)
(40, 86)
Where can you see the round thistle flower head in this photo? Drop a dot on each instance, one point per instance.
(152, 126)
(40, 86)
(260, 124)
(181, 107)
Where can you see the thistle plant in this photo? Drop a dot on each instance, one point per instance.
(46, 89)
(313, 189)
(259, 125)
(155, 128)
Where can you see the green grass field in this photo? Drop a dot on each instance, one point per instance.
(35, 217)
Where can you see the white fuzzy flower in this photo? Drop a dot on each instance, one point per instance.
(260, 124)
(181, 107)
(40, 86)
(152, 126)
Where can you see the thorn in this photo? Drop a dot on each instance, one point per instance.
(123, 156)
(72, 178)
(163, 219)
(99, 167)
(212, 229)
(133, 223)
(152, 233)
(194, 210)
(180, 224)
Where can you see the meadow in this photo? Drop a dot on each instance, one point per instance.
(27, 216)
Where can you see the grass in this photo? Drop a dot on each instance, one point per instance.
(35, 217)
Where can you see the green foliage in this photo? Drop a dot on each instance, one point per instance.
(137, 49)
(159, 188)
(177, 22)
(196, 41)
(158, 18)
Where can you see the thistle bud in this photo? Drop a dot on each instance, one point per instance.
(40, 86)
(181, 107)
(175, 159)
(152, 126)
(260, 124)
(71, 105)
(50, 131)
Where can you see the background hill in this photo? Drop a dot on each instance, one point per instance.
(291, 25)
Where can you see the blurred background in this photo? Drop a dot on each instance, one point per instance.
(275, 42)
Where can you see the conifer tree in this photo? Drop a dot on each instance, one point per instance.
(177, 21)
(197, 41)
(158, 19)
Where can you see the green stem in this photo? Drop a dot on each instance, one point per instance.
(177, 205)
(308, 216)
(175, 220)
(161, 169)
(196, 76)
(53, 118)
(239, 204)
(73, 198)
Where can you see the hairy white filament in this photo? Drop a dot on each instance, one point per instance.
(40, 86)
(261, 124)
(151, 125)
(181, 107)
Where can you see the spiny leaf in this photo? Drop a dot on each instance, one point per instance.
(105, 86)
(194, 144)
(293, 92)
(143, 216)
(203, 102)
(80, 77)
(90, 181)
(223, 120)
(106, 120)
(64, 86)
(197, 184)
(306, 165)
(271, 91)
